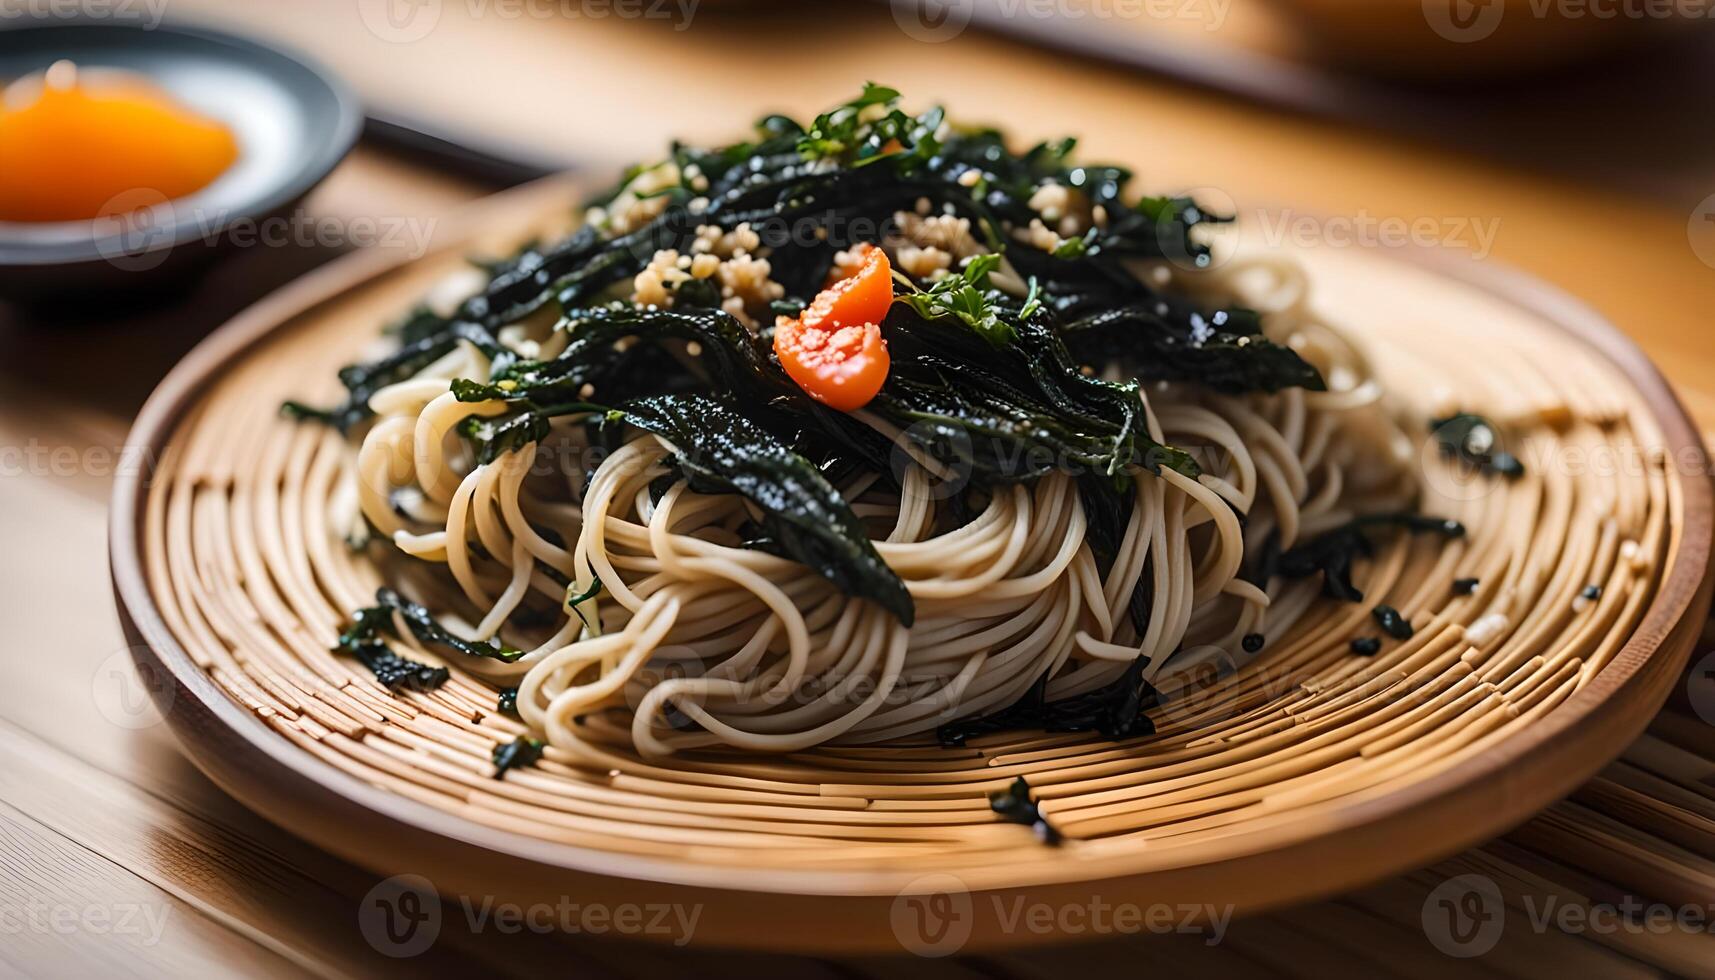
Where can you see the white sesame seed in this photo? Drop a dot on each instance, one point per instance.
(1486, 629)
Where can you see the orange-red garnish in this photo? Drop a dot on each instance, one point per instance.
(77, 149)
(834, 351)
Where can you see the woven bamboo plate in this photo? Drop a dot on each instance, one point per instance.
(1308, 772)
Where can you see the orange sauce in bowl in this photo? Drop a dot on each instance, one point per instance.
(74, 150)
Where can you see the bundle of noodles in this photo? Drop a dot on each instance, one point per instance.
(862, 431)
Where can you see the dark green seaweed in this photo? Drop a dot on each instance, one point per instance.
(1014, 804)
(996, 386)
(372, 622)
(516, 754)
(1116, 710)
(396, 673)
(719, 450)
(1332, 553)
(1472, 440)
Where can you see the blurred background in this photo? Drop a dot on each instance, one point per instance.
(1572, 133)
(1568, 138)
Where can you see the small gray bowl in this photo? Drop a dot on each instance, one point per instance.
(293, 121)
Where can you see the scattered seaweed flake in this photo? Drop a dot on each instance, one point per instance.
(371, 623)
(678, 720)
(521, 751)
(1591, 592)
(575, 598)
(1366, 646)
(1465, 586)
(1472, 440)
(1115, 710)
(1014, 804)
(1507, 465)
(362, 640)
(1391, 622)
(397, 673)
(1252, 642)
(1333, 552)
(507, 703)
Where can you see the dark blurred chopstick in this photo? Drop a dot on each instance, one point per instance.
(499, 166)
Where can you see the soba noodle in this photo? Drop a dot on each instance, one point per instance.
(695, 640)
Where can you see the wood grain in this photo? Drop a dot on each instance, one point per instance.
(1629, 256)
(390, 819)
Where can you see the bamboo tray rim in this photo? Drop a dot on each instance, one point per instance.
(1683, 593)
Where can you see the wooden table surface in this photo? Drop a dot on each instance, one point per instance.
(116, 854)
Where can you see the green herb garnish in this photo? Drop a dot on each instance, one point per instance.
(968, 296)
